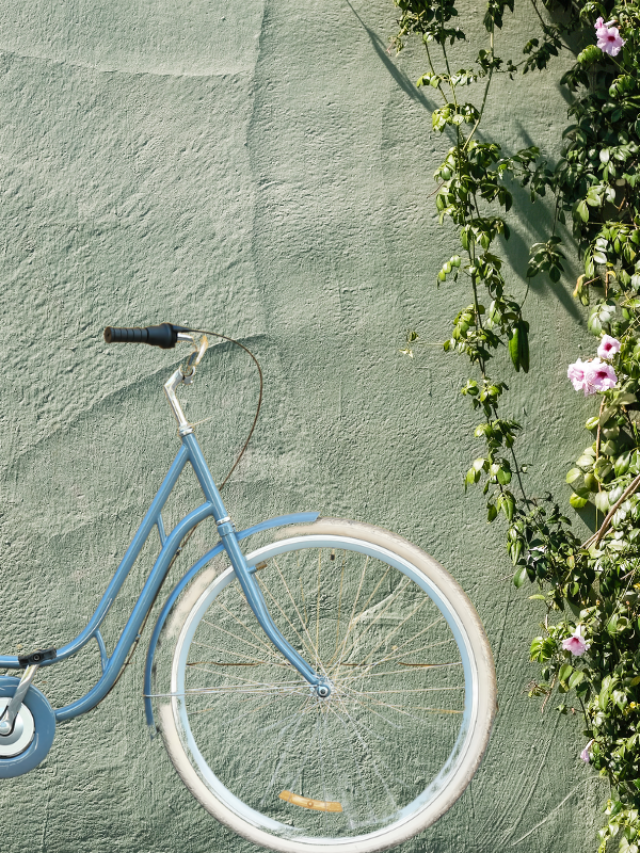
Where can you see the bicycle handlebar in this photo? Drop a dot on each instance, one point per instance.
(164, 336)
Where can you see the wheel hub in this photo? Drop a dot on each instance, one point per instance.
(17, 740)
(323, 690)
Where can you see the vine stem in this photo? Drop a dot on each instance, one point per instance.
(471, 251)
(433, 72)
(484, 97)
(452, 85)
(520, 483)
(597, 536)
(599, 437)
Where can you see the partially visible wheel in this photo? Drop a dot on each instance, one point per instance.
(29, 742)
(394, 743)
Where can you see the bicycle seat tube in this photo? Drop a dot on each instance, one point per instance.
(227, 532)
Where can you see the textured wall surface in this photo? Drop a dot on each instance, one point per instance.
(262, 169)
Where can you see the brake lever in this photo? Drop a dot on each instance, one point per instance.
(194, 359)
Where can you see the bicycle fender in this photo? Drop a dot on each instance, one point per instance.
(278, 521)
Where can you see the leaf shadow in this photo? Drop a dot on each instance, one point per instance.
(589, 516)
(407, 85)
(536, 221)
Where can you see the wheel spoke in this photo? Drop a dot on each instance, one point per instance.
(310, 648)
(260, 743)
(303, 622)
(379, 615)
(355, 604)
(235, 636)
(374, 759)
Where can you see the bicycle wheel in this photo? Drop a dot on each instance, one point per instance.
(412, 700)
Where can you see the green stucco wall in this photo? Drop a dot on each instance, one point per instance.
(263, 169)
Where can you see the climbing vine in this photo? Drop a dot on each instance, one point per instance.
(589, 648)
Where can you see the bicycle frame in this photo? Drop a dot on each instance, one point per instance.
(213, 506)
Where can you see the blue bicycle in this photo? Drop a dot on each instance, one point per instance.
(331, 691)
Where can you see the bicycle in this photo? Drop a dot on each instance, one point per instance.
(352, 673)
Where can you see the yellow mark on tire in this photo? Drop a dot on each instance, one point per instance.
(307, 803)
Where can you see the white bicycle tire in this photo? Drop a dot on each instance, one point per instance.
(470, 746)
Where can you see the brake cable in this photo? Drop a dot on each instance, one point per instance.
(255, 420)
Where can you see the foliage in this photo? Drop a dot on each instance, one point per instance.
(590, 589)
(472, 192)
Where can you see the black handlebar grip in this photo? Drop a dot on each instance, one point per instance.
(164, 336)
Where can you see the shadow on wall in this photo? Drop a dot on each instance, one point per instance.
(538, 222)
(536, 219)
(407, 86)
(537, 227)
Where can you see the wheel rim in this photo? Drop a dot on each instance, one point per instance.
(22, 733)
(346, 735)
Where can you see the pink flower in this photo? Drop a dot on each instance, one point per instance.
(577, 373)
(593, 376)
(608, 347)
(600, 375)
(585, 755)
(575, 643)
(609, 39)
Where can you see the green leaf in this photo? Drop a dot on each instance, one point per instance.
(621, 465)
(503, 476)
(626, 399)
(514, 347)
(619, 699)
(542, 648)
(582, 211)
(519, 578)
(536, 647)
(602, 502)
(605, 693)
(577, 502)
(565, 671)
(472, 477)
(589, 55)
(577, 678)
(573, 475)
(594, 198)
(588, 265)
(602, 469)
(507, 504)
(585, 462)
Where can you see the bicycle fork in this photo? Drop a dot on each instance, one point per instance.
(253, 593)
(246, 576)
